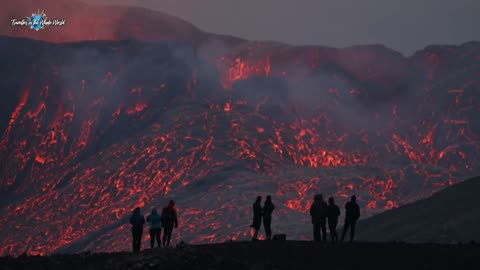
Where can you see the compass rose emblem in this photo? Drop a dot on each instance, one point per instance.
(37, 20)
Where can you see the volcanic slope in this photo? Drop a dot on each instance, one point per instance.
(93, 129)
(450, 215)
(84, 22)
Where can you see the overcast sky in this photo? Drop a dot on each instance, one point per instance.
(404, 25)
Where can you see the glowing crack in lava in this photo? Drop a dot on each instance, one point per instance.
(91, 130)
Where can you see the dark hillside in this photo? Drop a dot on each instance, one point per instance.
(451, 215)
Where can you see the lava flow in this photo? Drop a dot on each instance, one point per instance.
(92, 130)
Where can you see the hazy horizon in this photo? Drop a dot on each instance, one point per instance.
(405, 26)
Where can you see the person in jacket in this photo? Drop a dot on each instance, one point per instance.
(257, 217)
(155, 222)
(333, 212)
(318, 212)
(352, 214)
(268, 208)
(169, 220)
(137, 220)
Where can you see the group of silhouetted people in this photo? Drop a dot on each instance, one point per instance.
(167, 220)
(264, 213)
(321, 212)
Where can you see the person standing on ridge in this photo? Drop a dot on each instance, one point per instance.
(318, 212)
(137, 220)
(352, 214)
(333, 212)
(169, 220)
(257, 217)
(155, 222)
(268, 208)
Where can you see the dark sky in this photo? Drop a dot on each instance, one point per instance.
(404, 25)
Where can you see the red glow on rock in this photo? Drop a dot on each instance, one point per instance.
(238, 69)
(227, 107)
(40, 159)
(139, 107)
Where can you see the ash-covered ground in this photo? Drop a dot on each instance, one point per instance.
(267, 255)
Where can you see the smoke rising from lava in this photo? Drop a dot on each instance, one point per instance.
(102, 127)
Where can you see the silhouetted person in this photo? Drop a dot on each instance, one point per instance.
(155, 222)
(257, 217)
(318, 212)
(333, 212)
(137, 220)
(268, 208)
(352, 213)
(169, 220)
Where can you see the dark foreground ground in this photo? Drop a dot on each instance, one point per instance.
(268, 255)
